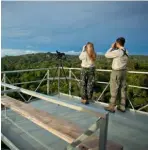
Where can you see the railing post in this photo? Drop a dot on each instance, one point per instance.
(5, 82)
(69, 82)
(48, 82)
(59, 80)
(103, 132)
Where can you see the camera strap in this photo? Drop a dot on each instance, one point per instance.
(124, 52)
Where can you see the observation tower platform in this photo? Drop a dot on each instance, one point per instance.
(27, 126)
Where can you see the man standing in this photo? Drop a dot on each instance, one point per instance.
(118, 75)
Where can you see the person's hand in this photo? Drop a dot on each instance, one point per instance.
(113, 45)
(83, 48)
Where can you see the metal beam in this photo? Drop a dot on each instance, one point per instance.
(70, 82)
(4, 82)
(89, 132)
(99, 70)
(48, 81)
(143, 107)
(103, 133)
(38, 85)
(78, 107)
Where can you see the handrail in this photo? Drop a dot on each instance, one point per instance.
(101, 70)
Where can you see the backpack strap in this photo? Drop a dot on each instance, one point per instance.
(124, 52)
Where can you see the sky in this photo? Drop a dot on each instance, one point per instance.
(31, 27)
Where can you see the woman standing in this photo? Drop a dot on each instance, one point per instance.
(88, 57)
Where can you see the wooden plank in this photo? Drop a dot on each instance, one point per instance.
(64, 129)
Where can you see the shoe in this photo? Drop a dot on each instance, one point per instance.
(121, 108)
(110, 108)
(84, 101)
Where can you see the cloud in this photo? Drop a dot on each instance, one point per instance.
(17, 52)
(72, 52)
(78, 52)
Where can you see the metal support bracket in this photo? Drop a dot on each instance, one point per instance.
(91, 130)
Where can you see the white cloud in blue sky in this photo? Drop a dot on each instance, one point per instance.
(16, 52)
(67, 26)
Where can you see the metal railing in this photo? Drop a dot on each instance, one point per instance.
(70, 77)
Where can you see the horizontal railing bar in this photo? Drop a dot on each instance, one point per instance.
(102, 82)
(143, 107)
(78, 107)
(137, 72)
(104, 70)
(139, 87)
(131, 72)
(72, 68)
(99, 70)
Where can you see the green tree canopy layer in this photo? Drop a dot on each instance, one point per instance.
(45, 60)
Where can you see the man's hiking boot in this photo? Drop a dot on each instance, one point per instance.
(84, 101)
(121, 108)
(110, 108)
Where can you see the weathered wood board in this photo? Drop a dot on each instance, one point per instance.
(66, 130)
(61, 128)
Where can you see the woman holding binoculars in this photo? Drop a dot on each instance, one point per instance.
(88, 57)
